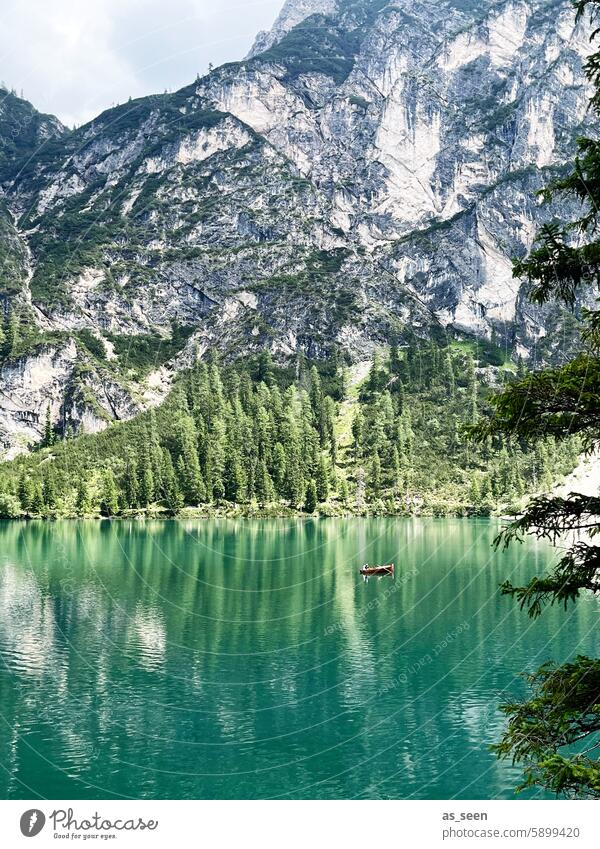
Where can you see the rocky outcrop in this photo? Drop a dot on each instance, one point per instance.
(56, 379)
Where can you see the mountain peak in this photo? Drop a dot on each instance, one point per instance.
(292, 14)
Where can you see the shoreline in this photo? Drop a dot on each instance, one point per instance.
(284, 513)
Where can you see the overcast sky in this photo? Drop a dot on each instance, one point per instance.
(74, 58)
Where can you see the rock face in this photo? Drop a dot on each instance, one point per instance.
(369, 169)
(56, 379)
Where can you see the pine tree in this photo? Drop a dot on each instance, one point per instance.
(192, 483)
(49, 435)
(279, 468)
(265, 367)
(109, 504)
(449, 379)
(218, 490)
(375, 478)
(173, 498)
(396, 469)
(49, 490)
(475, 492)
(400, 398)
(38, 506)
(472, 389)
(216, 399)
(310, 500)
(25, 491)
(82, 498)
(131, 483)
(317, 402)
(145, 490)
(377, 377)
(265, 491)
(155, 454)
(343, 491)
(294, 483)
(234, 480)
(360, 490)
(322, 480)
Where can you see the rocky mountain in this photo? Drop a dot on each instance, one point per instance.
(369, 169)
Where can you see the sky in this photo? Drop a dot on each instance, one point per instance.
(75, 58)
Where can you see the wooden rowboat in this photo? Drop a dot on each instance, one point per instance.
(369, 571)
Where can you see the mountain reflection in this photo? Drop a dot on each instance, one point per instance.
(249, 659)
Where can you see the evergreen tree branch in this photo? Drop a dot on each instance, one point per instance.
(544, 732)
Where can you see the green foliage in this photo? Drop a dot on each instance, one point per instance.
(20, 333)
(322, 480)
(10, 506)
(94, 345)
(256, 433)
(110, 495)
(315, 46)
(311, 499)
(142, 353)
(24, 133)
(546, 732)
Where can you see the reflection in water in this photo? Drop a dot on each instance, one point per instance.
(248, 659)
(149, 637)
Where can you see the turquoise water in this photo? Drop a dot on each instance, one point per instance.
(250, 660)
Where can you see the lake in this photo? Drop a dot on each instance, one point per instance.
(249, 659)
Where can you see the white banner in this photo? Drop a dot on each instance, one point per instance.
(300, 825)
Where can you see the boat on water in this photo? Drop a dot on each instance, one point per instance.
(370, 571)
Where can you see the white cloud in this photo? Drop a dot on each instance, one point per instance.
(74, 58)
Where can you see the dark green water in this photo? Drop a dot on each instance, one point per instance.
(249, 659)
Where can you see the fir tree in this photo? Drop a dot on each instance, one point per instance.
(322, 480)
(294, 483)
(360, 490)
(173, 498)
(449, 379)
(49, 490)
(131, 483)
(82, 499)
(109, 504)
(234, 480)
(343, 491)
(265, 367)
(38, 506)
(48, 429)
(25, 491)
(375, 478)
(218, 490)
(145, 487)
(396, 469)
(279, 468)
(188, 467)
(265, 491)
(310, 500)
